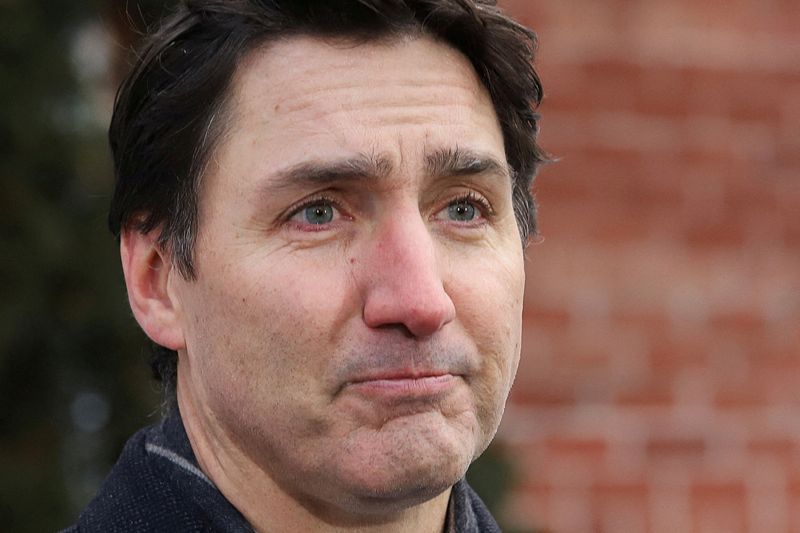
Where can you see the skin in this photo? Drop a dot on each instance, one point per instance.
(342, 375)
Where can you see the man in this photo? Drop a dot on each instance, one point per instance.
(322, 209)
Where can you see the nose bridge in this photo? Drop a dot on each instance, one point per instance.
(408, 246)
(405, 284)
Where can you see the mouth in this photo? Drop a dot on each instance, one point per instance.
(404, 385)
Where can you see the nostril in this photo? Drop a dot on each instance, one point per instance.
(402, 329)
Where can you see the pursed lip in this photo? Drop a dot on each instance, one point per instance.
(395, 372)
(400, 374)
(403, 384)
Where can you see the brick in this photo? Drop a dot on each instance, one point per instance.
(780, 384)
(663, 92)
(532, 396)
(622, 507)
(594, 448)
(723, 233)
(655, 323)
(646, 396)
(769, 513)
(746, 397)
(547, 317)
(786, 152)
(719, 507)
(570, 511)
(780, 449)
(669, 509)
(614, 85)
(570, 468)
(737, 321)
(602, 220)
(670, 353)
(738, 87)
(610, 173)
(686, 449)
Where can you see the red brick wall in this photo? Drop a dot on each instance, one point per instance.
(659, 388)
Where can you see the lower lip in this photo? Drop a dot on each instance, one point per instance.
(411, 388)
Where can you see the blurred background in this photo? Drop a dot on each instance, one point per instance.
(659, 388)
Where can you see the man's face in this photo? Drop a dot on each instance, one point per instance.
(354, 327)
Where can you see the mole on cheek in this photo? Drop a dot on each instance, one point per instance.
(352, 260)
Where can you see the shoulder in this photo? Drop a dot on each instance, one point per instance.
(139, 495)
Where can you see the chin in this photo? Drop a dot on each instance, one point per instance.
(404, 466)
(380, 499)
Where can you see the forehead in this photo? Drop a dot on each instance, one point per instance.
(336, 65)
(302, 102)
(316, 89)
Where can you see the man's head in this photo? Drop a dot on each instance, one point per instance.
(342, 188)
(171, 111)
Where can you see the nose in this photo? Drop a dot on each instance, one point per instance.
(404, 286)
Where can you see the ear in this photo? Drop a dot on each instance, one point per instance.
(148, 270)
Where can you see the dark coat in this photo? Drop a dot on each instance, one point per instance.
(157, 486)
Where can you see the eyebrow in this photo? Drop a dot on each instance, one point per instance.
(314, 173)
(449, 162)
(441, 163)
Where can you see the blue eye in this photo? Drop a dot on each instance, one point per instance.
(320, 213)
(461, 211)
(470, 210)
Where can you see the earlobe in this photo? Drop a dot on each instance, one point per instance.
(147, 270)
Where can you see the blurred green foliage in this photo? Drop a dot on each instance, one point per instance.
(65, 329)
(74, 382)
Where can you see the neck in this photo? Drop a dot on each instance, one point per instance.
(270, 508)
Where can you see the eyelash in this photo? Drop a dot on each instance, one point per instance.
(482, 203)
(321, 199)
(479, 201)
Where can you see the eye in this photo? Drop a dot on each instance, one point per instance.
(461, 211)
(318, 212)
(470, 208)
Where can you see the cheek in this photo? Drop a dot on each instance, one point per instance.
(270, 329)
(489, 307)
(489, 298)
(263, 345)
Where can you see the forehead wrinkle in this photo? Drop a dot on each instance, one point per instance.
(418, 93)
(284, 98)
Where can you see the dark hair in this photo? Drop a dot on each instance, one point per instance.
(171, 109)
